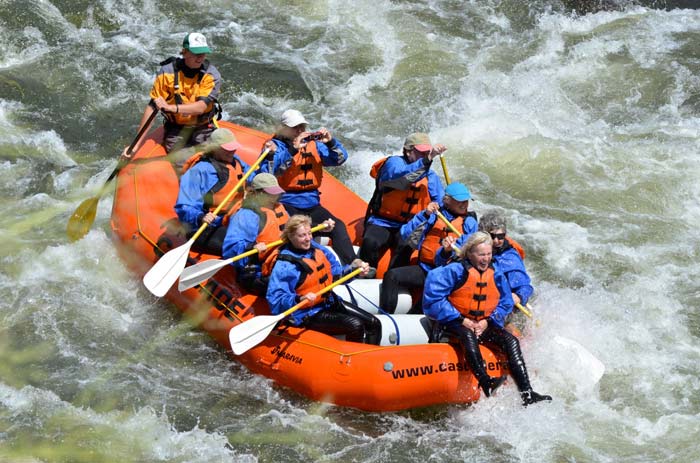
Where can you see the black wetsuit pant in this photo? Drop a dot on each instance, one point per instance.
(501, 338)
(409, 277)
(210, 241)
(340, 240)
(338, 320)
(376, 239)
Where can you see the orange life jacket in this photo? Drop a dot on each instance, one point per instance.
(275, 219)
(398, 205)
(516, 246)
(305, 172)
(229, 174)
(433, 238)
(187, 91)
(315, 272)
(477, 297)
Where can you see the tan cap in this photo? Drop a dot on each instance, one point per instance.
(224, 139)
(419, 141)
(268, 183)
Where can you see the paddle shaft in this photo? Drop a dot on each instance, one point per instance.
(330, 287)
(130, 149)
(523, 309)
(448, 223)
(252, 332)
(196, 274)
(231, 193)
(444, 169)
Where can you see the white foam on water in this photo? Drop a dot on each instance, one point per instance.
(46, 146)
(140, 435)
(581, 129)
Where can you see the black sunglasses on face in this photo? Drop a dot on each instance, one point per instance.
(498, 236)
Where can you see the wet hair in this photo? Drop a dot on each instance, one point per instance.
(474, 240)
(294, 223)
(492, 220)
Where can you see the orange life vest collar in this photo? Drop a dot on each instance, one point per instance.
(477, 297)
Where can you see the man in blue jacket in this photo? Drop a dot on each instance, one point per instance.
(298, 159)
(209, 177)
(405, 185)
(426, 232)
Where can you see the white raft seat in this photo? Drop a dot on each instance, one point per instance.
(399, 328)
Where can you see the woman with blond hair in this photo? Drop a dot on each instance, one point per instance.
(471, 300)
(299, 270)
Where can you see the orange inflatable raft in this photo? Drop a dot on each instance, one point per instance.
(404, 372)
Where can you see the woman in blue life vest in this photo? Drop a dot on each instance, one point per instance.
(297, 161)
(506, 257)
(208, 178)
(300, 270)
(405, 185)
(425, 232)
(471, 300)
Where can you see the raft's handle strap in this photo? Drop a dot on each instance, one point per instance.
(352, 293)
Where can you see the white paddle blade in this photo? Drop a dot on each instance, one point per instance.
(196, 274)
(252, 332)
(161, 277)
(587, 360)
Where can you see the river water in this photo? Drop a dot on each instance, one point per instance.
(583, 128)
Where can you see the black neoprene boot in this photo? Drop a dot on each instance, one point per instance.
(531, 397)
(490, 384)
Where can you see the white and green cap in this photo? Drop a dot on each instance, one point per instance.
(196, 43)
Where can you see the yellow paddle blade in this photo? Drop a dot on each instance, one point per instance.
(81, 220)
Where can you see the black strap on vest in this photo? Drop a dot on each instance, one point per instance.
(179, 64)
(303, 267)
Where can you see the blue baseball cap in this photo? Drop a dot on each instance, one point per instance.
(458, 191)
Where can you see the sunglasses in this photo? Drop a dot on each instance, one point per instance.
(498, 236)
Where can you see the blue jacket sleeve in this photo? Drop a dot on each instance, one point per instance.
(332, 153)
(281, 288)
(241, 235)
(511, 264)
(439, 284)
(398, 174)
(435, 188)
(505, 302)
(194, 184)
(276, 162)
(419, 220)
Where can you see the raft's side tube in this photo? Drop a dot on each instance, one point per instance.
(413, 329)
(366, 295)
